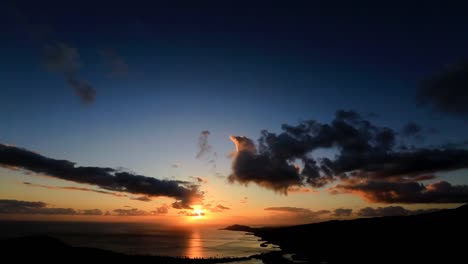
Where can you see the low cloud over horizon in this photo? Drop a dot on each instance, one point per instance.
(28, 207)
(110, 179)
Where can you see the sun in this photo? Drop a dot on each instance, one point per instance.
(198, 212)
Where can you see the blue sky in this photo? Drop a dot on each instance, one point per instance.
(226, 69)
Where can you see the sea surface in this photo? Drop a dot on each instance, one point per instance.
(144, 238)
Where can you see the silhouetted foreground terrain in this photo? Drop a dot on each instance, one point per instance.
(51, 250)
(438, 237)
(43, 248)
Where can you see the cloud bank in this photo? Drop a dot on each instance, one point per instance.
(367, 161)
(28, 207)
(106, 178)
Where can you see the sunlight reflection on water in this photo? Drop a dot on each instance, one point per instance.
(145, 239)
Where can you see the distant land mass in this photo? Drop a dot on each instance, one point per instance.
(438, 237)
(238, 228)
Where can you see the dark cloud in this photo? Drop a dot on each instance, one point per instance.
(391, 211)
(163, 209)
(447, 91)
(57, 56)
(83, 90)
(297, 189)
(405, 192)
(341, 212)
(106, 178)
(272, 166)
(138, 198)
(180, 205)
(130, 212)
(203, 146)
(74, 189)
(27, 207)
(64, 59)
(116, 64)
(412, 130)
(222, 207)
(91, 212)
(199, 179)
(383, 211)
(141, 198)
(297, 214)
(364, 151)
(250, 166)
(176, 165)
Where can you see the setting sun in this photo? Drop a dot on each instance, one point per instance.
(198, 212)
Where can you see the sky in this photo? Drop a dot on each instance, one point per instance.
(208, 112)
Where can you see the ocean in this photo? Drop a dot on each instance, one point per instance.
(144, 238)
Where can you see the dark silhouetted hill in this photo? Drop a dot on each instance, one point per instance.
(437, 237)
(238, 228)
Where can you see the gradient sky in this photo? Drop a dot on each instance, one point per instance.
(163, 73)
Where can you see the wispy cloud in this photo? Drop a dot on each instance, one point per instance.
(28, 207)
(116, 64)
(203, 146)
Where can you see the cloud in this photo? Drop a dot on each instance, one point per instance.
(272, 166)
(116, 64)
(297, 189)
(447, 90)
(28, 207)
(215, 209)
(105, 178)
(297, 213)
(364, 152)
(83, 90)
(57, 56)
(405, 192)
(203, 146)
(130, 212)
(187, 213)
(341, 212)
(413, 130)
(219, 206)
(64, 59)
(91, 212)
(199, 179)
(176, 165)
(250, 166)
(391, 211)
(180, 205)
(138, 198)
(74, 189)
(141, 198)
(244, 199)
(163, 209)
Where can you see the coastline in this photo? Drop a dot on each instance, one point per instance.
(46, 248)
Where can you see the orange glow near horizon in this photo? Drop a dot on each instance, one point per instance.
(198, 214)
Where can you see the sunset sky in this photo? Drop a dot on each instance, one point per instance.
(221, 113)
